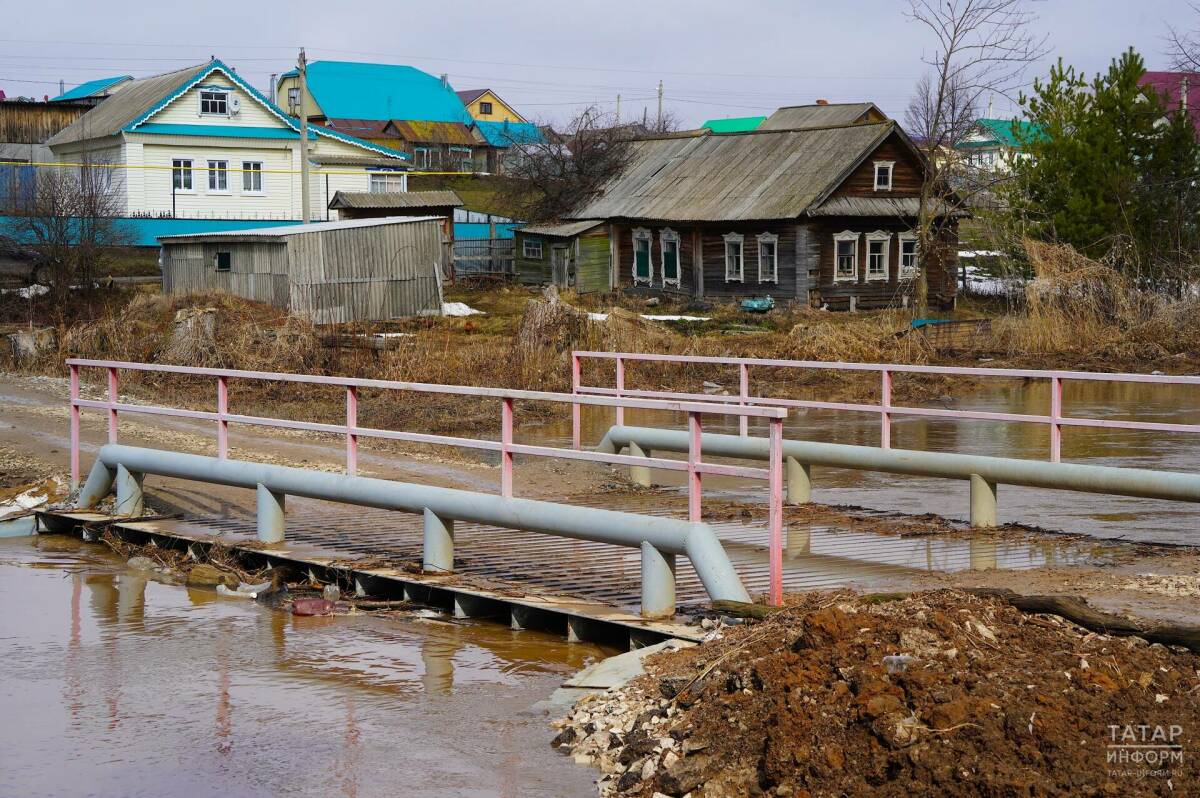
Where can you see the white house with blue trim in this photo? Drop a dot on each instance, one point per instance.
(202, 143)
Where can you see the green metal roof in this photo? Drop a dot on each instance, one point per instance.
(740, 124)
(92, 87)
(1007, 132)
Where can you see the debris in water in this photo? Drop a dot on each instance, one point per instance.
(313, 606)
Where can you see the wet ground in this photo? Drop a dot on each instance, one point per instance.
(114, 685)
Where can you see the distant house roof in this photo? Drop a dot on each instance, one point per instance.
(131, 109)
(737, 124)
(471, 95)
(741, 176)
(564, 230)
(394, 199)
(92, 88)
(1169, 86)
(796, 117)
(1005, 132)
(353, 90)
(279, 233)
(421, 131)
(506, 134)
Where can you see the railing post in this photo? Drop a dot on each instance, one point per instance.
(620, 390)
(744, 395)
(885, 416)
(506, 439)
(775, 513)
(693, 471)
(575, 420)
(112, 399)
(351, 424)
(74, 371)
(1056, 395)
(222, 423)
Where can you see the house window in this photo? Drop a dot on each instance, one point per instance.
(733, 257)
(878, 244)
(293, 95)
(223, 260)
(214, 103)
(423, 157)
(387, 182)
(909, 265)
(485, 109)
(641, 257)
(845, 265)
(669, 240)
(218, 176)
(532, 249)
(460, 159)
(181, 174)
(252, 177)
(768, 258)
(883, 175)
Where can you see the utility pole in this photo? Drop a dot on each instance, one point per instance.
(618, 108)
(302, 68)
(660, 122)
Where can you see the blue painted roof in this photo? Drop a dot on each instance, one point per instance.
(505, 134)
(352, 90)
(223, 131)
(92, 87)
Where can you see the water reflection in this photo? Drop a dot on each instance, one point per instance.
(113, 684)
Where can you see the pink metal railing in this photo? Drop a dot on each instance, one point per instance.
(695, 466)
(886, 410)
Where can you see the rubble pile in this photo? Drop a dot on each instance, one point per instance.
(939, 693)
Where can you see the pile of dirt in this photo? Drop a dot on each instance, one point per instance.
(938, 693)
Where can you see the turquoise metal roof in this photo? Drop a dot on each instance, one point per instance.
(223, 131)
(1007, 133)
(352, 90)
(740, 124)
(92, 87)
(505, 134)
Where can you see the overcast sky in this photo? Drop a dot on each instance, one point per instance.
(716, 59)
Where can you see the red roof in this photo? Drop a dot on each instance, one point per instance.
(1169, 85)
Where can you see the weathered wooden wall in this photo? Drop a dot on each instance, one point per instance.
(34, 123)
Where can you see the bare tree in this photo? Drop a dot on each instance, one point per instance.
(71, 221)
(1183, 45)
(563, 170)
(983, 47)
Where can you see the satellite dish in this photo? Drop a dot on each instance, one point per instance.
(235, 105)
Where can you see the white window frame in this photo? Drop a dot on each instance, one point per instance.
(250, 171)
(221, 171)
(642, 234)
(740, 275)
(908, 273)
(200, 100)
(387, 178)
(853, 237)
(773, 275)
(886, 238)
(189, 170)
(527, 247)
(667, 234)
(891, 173)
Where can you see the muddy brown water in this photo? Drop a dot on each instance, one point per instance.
(111, 684)
(1092, 514)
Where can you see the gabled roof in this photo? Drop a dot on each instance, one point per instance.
(822, 115)
(741, 176)
(564, 230)
(506, 134)
(737, 124)
(353, 90)
(92, 88)
(1005, 132)
(137, 103)
(1169, 86)
(424, 132)
(471, 95)
(395, 199)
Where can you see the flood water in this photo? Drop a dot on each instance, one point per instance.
(114, 685)
(1091, 514)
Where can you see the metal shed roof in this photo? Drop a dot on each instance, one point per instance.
(279, 233)
(741, 176)
(395, 199)
(564, 230)
(91, 88)
(820, 115)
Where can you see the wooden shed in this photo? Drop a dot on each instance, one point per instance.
(571, 255)
(354, 270)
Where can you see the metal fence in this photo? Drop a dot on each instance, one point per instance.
(484, 257)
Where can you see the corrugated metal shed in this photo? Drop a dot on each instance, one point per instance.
(282, 231)
(822, 115)
(746, 176)
(565, 230)
(395, 199)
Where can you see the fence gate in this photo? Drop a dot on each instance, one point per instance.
(484, 257)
